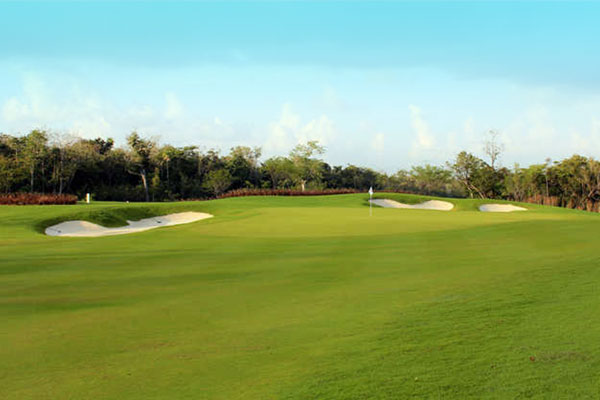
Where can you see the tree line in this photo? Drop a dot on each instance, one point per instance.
(145, 170)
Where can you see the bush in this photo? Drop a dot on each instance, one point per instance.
(36, 199)
(118, 193)
(285, 192)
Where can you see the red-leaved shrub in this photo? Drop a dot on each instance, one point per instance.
(285, 192)
(36, 199)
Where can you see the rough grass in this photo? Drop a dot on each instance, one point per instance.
(301, 298)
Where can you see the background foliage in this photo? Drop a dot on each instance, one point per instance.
(145, 170)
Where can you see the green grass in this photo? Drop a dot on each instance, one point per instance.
(301, 298)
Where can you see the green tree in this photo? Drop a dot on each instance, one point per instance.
(155, 183)
(568, 175)
(279, 170)
(522, 183)
(141, 154)
(469, 170)
(307, 166)
(6, 174)
(242, 163)
(218, 181)
(431, 179)
(35, 148)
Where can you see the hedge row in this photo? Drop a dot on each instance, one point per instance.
(285, 192)
(36, 199)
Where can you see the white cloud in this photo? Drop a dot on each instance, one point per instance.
(65, 108)
(141, 112)
(321, 129)
(219, 129)
(174, 107)
(596, 127)
(541, 127)
(424, 140)
(587, 144)
(471, 140)
(469, 126)
(282, 131)
(32, 105)
(534, 125)
(288, 119)
(289, 130)
(378, 142)
(13, 110)
(96, 126)
(452, 146)
(532, 133)
(36, 94)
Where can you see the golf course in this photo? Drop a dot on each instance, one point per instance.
(320, 297)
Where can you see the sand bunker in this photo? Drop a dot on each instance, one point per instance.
(88, 229)
(428, 205)
(500, 208)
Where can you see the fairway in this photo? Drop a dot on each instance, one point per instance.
(301, 298)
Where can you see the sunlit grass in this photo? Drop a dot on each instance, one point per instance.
(301, 298)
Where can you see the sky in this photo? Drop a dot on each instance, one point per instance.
(384, 85)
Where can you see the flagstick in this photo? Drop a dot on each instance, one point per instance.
(371, 201)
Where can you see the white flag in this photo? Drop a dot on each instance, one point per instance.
(371, 191)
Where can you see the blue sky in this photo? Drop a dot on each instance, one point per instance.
(381, 84)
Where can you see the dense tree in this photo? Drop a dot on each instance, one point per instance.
(576, 179)
(307, 166)
(469, 170)
(34, 150)
(243, 165)
(145, 170)
(279, 170)
(358, 178)
(430, 178)
(523, 183)
(6, 174)
(141, 158)
(218, 181)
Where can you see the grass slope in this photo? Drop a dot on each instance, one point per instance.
(301, 298)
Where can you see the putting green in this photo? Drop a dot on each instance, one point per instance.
(301, 298)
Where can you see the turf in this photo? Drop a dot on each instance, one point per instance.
(301, 298)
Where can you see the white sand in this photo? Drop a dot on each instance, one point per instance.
(88, 229)
(500, 208)
(428, 205)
